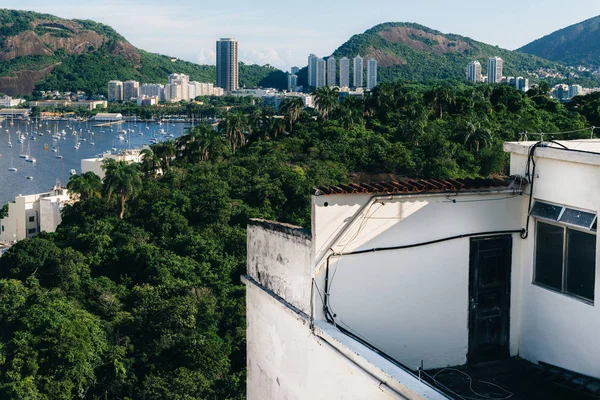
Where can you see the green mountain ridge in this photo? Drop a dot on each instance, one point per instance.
(414, 52)
(45, 52)
(578, 44)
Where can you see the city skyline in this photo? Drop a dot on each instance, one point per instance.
(172, 30)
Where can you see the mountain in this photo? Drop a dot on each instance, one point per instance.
(414, 52)
(575, 45)
(42, 51)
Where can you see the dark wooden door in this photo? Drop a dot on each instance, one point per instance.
(489, 298)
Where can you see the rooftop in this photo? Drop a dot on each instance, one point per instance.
(586, 151)
(409, 186)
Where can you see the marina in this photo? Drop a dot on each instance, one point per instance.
(35, 155)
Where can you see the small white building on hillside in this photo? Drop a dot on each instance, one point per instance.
(31, 214)
(397, 281)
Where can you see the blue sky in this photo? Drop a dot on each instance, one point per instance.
(283, 33)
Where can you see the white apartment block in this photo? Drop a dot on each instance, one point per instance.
(474, 72)
(31, 214)
(174, 92)
(292, 83)
(331, 71)
(358, 72)
(495, 70)
(344, 72)
(153, 90)
(371, 73)
(321, 73)
(183, 81)
(115, 91)
(312, 70)
(131, 90)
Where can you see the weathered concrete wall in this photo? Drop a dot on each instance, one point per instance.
(280, 258)
(285, 361)
(414, 303)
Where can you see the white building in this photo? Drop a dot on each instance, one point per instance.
(115, 91)
(495, 70)
(358, 72)
(474, 72)
(331, 71)
(7, 101)
(321, 73)
(147, 100)
(312, 70)
(95, 164)
(292, 82)
(575, 90)
(399, 280)
(31, 214)
(153, 90)
(131, 90)
(522, 84)
(108, 117)
(173, 92)
(344, 72)
(308, 99)
(371, 73)
(183, 82)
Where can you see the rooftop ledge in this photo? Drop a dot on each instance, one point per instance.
(583, 151)
(289, 229)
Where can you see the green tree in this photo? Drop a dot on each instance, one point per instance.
(326, 99)
(85, 185)
(292, 107)
(121, 179)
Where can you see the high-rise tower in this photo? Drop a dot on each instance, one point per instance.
(227, 64)
(371, 73)
(495, 70)
(331, 71)
(344, 72)
(474, 71)
(358, 72)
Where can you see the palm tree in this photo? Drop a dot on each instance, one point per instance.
(150, 163)
(292, 107)
(202, 142)
(441, 96)
(164, 152)
(85, 185)
(234, 125)
(122, 179)
(326, 98)
(351, 112)
(275, 126)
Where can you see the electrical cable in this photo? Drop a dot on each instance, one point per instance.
(509, 394)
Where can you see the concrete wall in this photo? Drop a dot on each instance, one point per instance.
(556, 328)
(15, 225)
(413, 303)
(280, 258)
(285, 361)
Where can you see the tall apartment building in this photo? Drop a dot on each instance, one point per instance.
(474, 72)
(495, 70)
(131, 90)
(574, 90)
(227, 64)
(358, 72)
(183, 81)
(294, 70)
(173, 92)
(344, 72)
(371, 73)
(153, 90)
(115, 91)
(312, 70)
(331, 71)
(292, 82)
(522, 84)
(321, 73)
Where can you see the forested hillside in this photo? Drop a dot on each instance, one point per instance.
(44, 52)
(138, 293)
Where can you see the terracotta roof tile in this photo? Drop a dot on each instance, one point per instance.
(409, 186)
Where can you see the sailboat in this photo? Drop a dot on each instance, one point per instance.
(56, 149)
(28, 157)
(22, 154)
(12, 168)
(9, 142)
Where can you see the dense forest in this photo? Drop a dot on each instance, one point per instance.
(138, 293)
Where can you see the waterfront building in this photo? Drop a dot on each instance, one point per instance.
(153, 90)
(227, 64)
(371, 73)
(344, 72)
(495, 69)
(31, 214)
(17, 113)
(331, 71)
(321, 73)
(85, 104)
(292, 82)
(131, 90)
(183, 82)
(358, 72)
(147, 100)
(173, 92)
(7, 101)
(115, 91)
(474, 72)
(108, 117)
(312, 70)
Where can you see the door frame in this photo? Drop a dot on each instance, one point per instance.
(472, 357)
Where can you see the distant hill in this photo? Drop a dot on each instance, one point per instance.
(414, 52)
(42, 51)
(577, 44)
